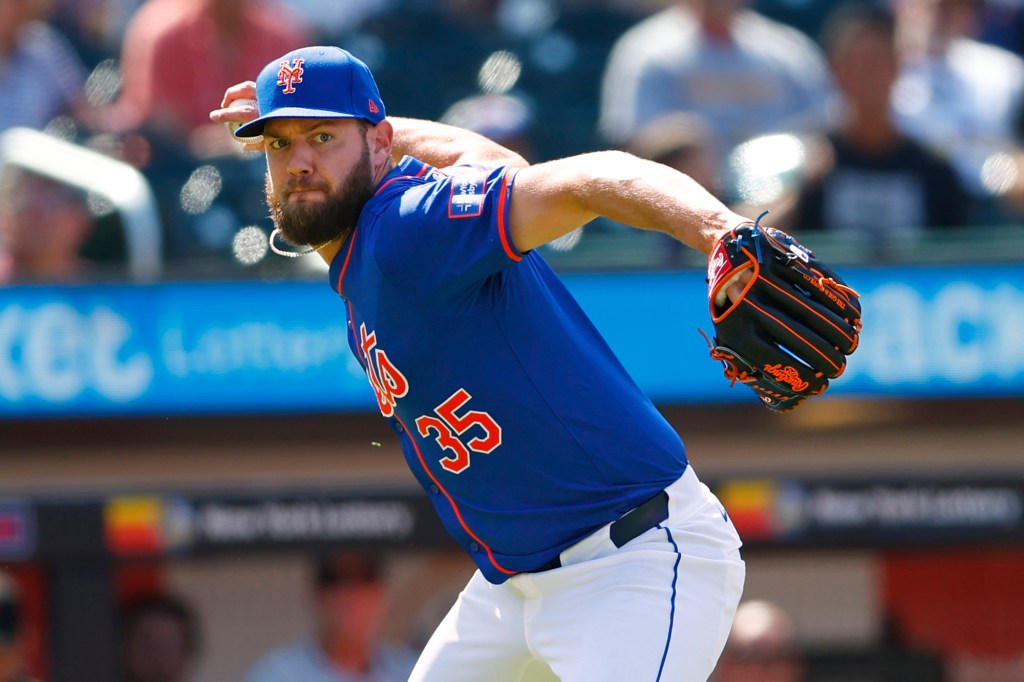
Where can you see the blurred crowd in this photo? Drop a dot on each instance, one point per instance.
(361, 627)
(160, 636)
(876, 120)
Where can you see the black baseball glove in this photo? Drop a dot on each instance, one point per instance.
(792, 327)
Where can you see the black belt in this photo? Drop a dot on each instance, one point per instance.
(631, 526)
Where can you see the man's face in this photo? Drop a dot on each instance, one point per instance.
(722, 10)
(43, 220)
(350, 599)
(156, 649)
(865, 66)
(319, 177)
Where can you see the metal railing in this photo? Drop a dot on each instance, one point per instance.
(121, 184)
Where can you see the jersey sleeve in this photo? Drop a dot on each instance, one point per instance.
(448, 234)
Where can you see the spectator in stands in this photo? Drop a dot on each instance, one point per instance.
(762, 647)
(505, 118)
(175, 55)
(955, 93)
(41, 76)
(873, 180)
(744, 73)
(43, 227)
(159, 640)
(350, 591)
(13, 666)
(179, 54)
(334, 19)
(94, 27)
(680, 140)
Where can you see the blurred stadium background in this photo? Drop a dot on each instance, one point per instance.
(188, 418)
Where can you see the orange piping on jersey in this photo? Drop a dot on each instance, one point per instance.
(421, 172)
(455, 508)
(502, 231)
(344, 266)
(397, 177)
(416, 447)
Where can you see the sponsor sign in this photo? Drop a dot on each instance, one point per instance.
(874, 513)
(279, 347)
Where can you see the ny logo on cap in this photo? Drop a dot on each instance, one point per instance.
(288, 76)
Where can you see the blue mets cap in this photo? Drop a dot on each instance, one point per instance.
(315, 82)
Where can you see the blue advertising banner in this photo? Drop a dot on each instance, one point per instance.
(184, 348)
(243, 347)
(928, 331)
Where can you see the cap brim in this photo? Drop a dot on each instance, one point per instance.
(254, 128)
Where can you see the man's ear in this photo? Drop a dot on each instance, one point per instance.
(380, 139)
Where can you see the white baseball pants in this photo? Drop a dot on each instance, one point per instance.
(658, 609)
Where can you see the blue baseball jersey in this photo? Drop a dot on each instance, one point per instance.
(512, 411)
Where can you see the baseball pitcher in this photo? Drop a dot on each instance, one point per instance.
(600, 552)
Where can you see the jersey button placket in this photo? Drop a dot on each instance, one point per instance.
(474, 547)
(434, 489)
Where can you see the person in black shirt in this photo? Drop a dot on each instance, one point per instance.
(868, 178)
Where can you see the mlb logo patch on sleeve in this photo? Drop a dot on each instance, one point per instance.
(467, 198)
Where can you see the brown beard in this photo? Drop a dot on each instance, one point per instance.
(327, 220)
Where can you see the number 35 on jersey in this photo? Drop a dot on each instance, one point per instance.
(454, 427)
